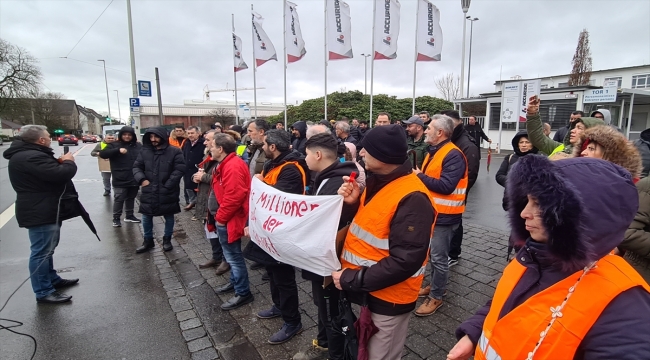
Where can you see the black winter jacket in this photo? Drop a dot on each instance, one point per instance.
(643, 145)
(192, 155)
(122, 164)
(476, 133)
(472, 153)
(298, 144)
(163, 167)
(509, 161)
(39, 181)
(289, 181)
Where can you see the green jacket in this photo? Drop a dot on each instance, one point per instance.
(637, 236)
(420, 148)
(535, 129)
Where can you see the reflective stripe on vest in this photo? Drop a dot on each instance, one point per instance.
(367, 240)
(557, 150)
(240, 150)
(528, 322)
(272, 177)
(453, 203)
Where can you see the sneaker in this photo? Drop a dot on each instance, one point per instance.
(452, 262)
(117, 223)
(271, 313)
(107, 193)
(314, 352)
(132, 219)
(428, 307)
(286, 333)
(424, 292)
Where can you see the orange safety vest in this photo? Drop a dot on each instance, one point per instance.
(518, 333)
(272, 177)
(176, 143)
(453, 203)
(367, 240)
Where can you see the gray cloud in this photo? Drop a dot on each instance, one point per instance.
(189, 41)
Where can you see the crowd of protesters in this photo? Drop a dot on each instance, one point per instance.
(577, 286)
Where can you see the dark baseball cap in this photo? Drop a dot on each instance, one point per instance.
(414, 120)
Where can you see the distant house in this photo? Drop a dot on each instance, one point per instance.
(53, 113)
(9, 128)
(90, 121)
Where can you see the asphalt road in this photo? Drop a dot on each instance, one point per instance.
(119, 309)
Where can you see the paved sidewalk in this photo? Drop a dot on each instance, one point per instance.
(239, 334)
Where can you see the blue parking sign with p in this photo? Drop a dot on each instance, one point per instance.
(144, 88)
(134, 102)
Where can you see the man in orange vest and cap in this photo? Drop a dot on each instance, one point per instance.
(564, 296)
(385, 250)
(444, 173)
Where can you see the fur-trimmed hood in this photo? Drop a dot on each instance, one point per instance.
(586, 205)
(616, 148)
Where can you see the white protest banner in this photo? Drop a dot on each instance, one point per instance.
(429, 32)
(298, 230)
(295, 43)
(339, 30)
(510, 96)
(263, 49)
(528, 88)
(386, 29)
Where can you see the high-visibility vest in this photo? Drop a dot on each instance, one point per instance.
(453, 203)
(240, 150)
(272, 177)
(366, 242)
(176, 143)
(518, 333)
(102, 145)
(557, 150)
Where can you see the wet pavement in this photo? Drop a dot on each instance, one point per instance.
(161, 306)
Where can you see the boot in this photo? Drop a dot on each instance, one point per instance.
(223, 268)
(146, 246)
(167, 243)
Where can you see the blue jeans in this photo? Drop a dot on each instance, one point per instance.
(190, 196)
(235, 258)
(439, 258)
(147, 225)
(44, 239)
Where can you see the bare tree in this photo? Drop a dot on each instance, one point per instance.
(222, 115)
(448, 86)
(19, 75)
(581, 72)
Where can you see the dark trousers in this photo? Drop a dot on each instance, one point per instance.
(333, 341)
(284, 292)
(124, 198)
(217, 250)
(456, 242)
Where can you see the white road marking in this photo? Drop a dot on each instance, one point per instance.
(7, 215)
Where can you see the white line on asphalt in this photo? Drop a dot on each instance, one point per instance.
(7, 215)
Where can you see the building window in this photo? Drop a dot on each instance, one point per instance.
(641, 81)
(544, 86)
(564, 84)
(618, 79)
(555, 112)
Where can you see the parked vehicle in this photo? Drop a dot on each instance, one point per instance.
(68, 139)
(89, 138)
(1, 142)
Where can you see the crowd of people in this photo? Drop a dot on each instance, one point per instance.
(577, 286)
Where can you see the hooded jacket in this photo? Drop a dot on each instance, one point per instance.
(607, 116)
(290, 181)
(615, 147)
(643, 145)
(163, 167)
(40, 182)
(298, 144)
(546, 145)
(472, 153)
(637, 237)
(509, 161)
(586, 206)
(122, 164)
(193, 155)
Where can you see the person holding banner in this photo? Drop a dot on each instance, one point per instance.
(322, 159)
(231, 185)
(385, 250)
(286, 171)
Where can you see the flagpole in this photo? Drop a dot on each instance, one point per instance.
(372, 61)
(254, 64)
(235, 73)
(284, 24)
(415, 59)
(325, 59)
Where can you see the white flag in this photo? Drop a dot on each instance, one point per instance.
(386, 29)
(294, 41)
(429, 33)
(240, 64)
(339, 39)
(263, 49)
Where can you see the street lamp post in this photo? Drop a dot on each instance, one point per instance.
(465, 6)
(119, 112)
(469, 65)
(106, 82)
(365, 73)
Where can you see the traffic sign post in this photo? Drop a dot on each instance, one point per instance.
(144, 88)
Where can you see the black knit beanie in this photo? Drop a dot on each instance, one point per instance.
(386, 144)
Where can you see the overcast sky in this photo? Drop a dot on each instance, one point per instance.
(189, 41)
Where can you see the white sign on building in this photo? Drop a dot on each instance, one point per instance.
(605, 95)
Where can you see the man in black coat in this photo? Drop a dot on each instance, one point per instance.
(159, 170)
(45, 197)
(476, 132)
(122, 154)
(472, 153)
(193, 151)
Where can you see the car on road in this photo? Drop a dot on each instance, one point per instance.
(89, 138)
(68, 139)
(1, 142)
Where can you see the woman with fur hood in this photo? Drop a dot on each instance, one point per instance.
(564, 296)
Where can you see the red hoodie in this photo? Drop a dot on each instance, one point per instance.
(231, 183)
